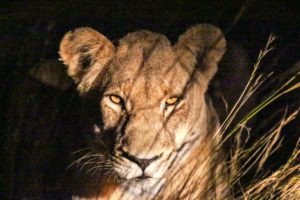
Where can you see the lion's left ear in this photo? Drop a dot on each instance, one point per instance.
(205, 44)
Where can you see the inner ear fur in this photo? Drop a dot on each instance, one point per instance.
(202, 45)
(85, 52)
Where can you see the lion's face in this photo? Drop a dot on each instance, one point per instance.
(147, 101)
(152, 96)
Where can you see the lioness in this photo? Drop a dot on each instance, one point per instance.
(156, 121)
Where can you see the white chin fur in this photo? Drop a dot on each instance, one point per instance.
(140, 187)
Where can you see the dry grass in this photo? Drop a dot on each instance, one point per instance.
(250, 158)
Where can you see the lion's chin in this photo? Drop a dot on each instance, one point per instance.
(143, 186)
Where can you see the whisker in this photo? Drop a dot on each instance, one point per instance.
(81, 150)
(89, 161)
(92, 161)
(97, 168)
(91, 156)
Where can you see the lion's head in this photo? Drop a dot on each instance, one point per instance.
(151, 96)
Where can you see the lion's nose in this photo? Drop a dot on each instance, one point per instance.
(143, 163)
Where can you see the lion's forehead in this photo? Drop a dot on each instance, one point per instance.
(143, 89)
(148, 75)
(149, 85)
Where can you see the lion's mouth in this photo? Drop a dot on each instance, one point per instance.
(143, 177)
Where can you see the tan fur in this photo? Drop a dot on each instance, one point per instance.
(145, 70)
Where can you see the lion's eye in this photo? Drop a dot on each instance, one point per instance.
(115, 99)
(172, 101)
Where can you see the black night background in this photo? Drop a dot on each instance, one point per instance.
(42, 124)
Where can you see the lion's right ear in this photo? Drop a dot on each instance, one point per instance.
(85, 52)
(204, 43)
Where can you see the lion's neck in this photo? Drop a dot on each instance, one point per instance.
(199, 173)
(196, 176)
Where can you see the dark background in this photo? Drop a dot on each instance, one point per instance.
(41, 125)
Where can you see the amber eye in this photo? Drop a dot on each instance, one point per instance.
(171, 101)
(115, 99)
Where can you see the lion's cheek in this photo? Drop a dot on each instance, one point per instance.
(178, 125)
(181, 135)
(158, 169)
(110, 117)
